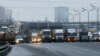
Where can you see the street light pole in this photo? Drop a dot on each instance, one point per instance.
(38, 25)
(88, 12)
(73, 20)
(97, 10)
(97, 19)
(79, 13)
(79, 18)
(73, 16)
(88, 19)
(47, 22)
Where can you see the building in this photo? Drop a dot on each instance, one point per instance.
(5, 15)
(61, 14)
(8, 14)
(2, 14)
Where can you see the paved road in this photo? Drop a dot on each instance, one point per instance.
(57, 49)
(19, 51)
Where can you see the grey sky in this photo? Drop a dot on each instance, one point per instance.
(28, 10)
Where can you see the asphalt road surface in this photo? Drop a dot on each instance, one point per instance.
(56, 49)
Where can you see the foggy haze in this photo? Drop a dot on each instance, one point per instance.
(37, 10)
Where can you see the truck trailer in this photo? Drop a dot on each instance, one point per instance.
(10, 37)
(83, 36)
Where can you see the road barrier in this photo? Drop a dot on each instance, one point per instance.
(4, 48)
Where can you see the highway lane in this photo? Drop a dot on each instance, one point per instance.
(57, 49)
(19, 51)
(90, 45)
(26, 50)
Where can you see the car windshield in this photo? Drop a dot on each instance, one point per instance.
(72, 34)
(96, 35)
(59, 34)
(49, 27)
(18, 36)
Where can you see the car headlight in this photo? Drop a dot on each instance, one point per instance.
(38, 39)
(17, 41)
(68, 39)
(34, 39)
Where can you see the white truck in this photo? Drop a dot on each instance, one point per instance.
(19, 39)
(46, 35)
(96, 37)
(34, 34)
(71, 35)
(59, 34)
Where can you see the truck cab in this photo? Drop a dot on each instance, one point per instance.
(46, 35)
(71, 35)
(59, 34)
(19, 39)
(35, 37)
(96, 37)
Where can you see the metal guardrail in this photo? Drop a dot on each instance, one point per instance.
(4, 49)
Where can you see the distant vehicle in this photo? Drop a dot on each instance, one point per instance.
(58, 35)
(96, 37)
(34, 34)
(4, 28)
(27, 38)
(90, 34)
(71, 35)
(36, 38)
(46, 35)
(19, 39)
(83, 36)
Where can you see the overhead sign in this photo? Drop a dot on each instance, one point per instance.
(71, 30)
(4, 26)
